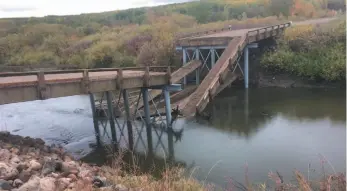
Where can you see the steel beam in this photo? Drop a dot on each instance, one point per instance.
(147, 119)
(128, 120)
(170, 135)
(171, 87)
(184, 63)
(167, 107)
(245, 60)
(95, 121)
(111, 117)
(197, 72)
(246, 105)
(213, 57)
(201, 47)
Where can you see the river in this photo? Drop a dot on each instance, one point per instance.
(262, 130)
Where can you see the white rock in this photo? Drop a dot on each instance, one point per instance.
(63, 183)
(5, 155)
(47, 183)
(15, 160)
(7, 172)
(70, 167)
(34, 165)
(121, 187)
(17, 183)
(32, 184)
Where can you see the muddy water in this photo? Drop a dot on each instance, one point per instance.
(269, 129)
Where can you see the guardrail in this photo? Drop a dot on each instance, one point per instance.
(84, 79)
(207, 32)
(272, 28)
(150, 68)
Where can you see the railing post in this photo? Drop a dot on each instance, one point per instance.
(85, 81)
(41, 85)
(146, 77)
(168, 75)
(119, 78)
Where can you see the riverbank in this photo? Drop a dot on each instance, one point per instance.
(308, 56)
(28, 164)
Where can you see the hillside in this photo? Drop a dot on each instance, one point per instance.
(137, 36)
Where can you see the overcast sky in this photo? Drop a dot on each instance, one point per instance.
(38, 8)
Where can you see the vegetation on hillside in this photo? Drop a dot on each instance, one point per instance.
(138, 36)
(316, 52)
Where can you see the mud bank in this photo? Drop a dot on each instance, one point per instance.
(285, 80)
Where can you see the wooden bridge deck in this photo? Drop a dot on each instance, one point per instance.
(29, 86)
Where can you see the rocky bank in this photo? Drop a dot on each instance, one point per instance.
(27, 164)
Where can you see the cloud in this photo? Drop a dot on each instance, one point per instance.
(6, 8)
(39, 8)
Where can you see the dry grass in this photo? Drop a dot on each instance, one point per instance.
(175, 179)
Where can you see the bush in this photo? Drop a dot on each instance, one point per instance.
(314, 52)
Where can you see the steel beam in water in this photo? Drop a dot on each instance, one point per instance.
(111, 117)
(95, 121)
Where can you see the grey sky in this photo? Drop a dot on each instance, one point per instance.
(38, 8)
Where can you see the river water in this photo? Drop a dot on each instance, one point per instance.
(262, 130)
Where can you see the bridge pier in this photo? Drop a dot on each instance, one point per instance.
(208, 60)
(95, 122)
(197, 72)
(246, 62)
(128, 120)
(147, 119)
(184, 50)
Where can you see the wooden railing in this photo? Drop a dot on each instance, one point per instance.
(266, 31)
(150, 68)
(41, 82)
(213, 31)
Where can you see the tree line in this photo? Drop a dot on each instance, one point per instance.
(137, 36)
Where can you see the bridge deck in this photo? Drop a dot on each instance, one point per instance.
(29, 86)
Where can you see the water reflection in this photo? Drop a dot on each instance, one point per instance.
(269, 129)
(246, 111)
(151, 155)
